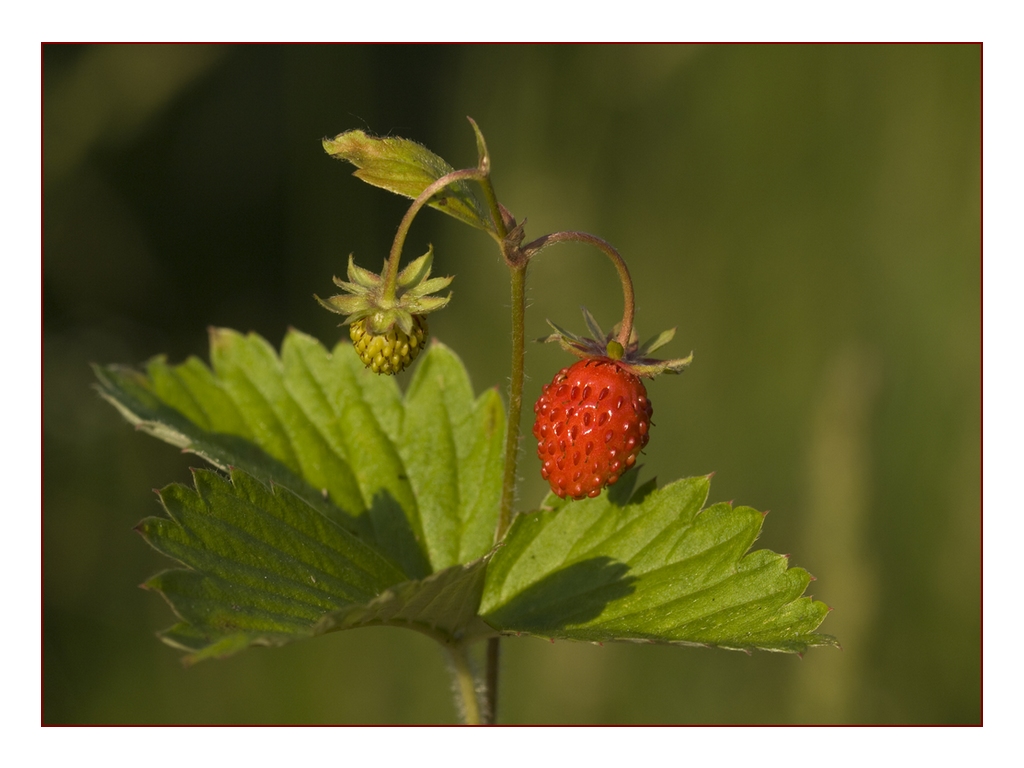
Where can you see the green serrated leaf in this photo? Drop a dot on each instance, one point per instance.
(263, 564)
(654, 567)
(132, 394)
(471, 435)
(324, 427)
(407, 168)
(265, 568)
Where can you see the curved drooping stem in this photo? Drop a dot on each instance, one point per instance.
(626, 328)
(395, 256)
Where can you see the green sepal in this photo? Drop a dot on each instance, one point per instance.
(353, 306)
(360, 276)
(380, 321)
(592, 324)
(365, 297)
(354, 288)
(563, 337)
(433, 285)
(634, 355)
(403, 320)
(658, 341)
(432, 303)
(417, 270)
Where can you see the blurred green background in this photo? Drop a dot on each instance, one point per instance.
(809, 217)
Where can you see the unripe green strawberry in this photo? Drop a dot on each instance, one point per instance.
(391, 352)
(592, 420)
(387, 318)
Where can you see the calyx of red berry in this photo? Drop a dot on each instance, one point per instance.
(384, 304)
(633, 356)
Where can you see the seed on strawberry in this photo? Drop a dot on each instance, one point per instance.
(391, 352)
(592, 420)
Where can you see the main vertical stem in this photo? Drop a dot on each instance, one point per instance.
(508, 489)
(515, 398)
(492, 658)
(465, 682)
(515, 407)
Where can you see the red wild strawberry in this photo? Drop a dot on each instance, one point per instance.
(594, 418)
(592, 421)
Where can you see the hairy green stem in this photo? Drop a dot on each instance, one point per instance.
(465, 683)
(515, 399)
(515, 409)
(626, 328)
(511, 437)
(395, 257)
(508, 489)
(491, 681)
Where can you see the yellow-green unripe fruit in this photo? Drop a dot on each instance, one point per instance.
(392, 352)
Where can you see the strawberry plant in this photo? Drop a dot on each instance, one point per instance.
(336, 500)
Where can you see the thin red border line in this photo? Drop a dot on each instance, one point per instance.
(42, 388)
(981, 381)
